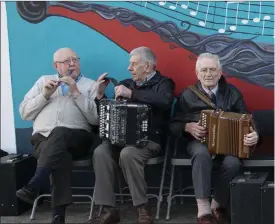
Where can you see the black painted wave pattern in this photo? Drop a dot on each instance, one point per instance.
(243, 59)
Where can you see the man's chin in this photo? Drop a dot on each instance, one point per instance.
(73, 73)
(210, 84)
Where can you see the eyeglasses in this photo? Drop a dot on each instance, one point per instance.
(206, 70)
(68, 61)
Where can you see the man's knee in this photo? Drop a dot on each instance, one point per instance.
(203, 153)
(232, 164)
(102, 151)
(198, 150)
(127, 155)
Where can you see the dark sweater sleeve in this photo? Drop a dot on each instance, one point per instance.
(162, 98)
(239, 106)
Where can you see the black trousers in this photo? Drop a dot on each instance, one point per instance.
(57, 152)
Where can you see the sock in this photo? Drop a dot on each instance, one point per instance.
(214, 204)
(59, 210)
(203, 207)
(39, 178)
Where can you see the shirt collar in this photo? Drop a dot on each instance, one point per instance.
(212, 90)
(148, 77)
(77, 79)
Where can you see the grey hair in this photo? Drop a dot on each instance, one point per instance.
(146, 54)
(209, 56)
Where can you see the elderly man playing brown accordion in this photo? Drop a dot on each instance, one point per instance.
(186, 123)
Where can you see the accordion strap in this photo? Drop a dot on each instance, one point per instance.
(112, 80)
(204, 98)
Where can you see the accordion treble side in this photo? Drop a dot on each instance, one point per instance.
(124, 123)
(225, 132)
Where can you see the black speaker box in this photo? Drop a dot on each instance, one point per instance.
(14, 173)
(245, 191)
(267, 203)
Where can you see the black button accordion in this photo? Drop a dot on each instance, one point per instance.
(123, 122)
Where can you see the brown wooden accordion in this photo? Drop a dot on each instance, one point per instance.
(225, 132)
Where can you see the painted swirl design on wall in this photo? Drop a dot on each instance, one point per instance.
(241, 58)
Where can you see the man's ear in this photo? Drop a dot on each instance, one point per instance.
(220, 73)
(147, 66)
(55, 65)
(197, 73)
(150, 67)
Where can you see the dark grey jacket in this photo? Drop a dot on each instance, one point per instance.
(158, 93)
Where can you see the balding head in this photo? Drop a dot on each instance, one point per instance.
(66, 62)
(63, 53)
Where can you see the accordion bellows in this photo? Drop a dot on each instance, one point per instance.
(124, 123)
(225, 132)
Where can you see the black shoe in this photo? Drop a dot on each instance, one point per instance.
(27, 195)
(58, 219)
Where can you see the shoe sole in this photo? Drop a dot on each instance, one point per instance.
(29, 201)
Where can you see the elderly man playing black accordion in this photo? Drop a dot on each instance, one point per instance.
(186, 123)
(147, 86)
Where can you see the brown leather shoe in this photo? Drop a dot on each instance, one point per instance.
(144, 214)
(109, 215)
(205, 219)
(220, 215)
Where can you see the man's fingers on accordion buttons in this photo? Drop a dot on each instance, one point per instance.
(201, 133)
(199, 138)
(198, 135)
(194, 134)
(201, 128)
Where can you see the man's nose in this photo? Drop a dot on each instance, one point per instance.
(208, 73)
(71, 62)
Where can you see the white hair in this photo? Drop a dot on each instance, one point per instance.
(61, 51)
(209, 56)
(146, 54)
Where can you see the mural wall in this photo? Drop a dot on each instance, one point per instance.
(103, 33)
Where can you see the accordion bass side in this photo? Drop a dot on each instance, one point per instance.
(124, 123)
(225, 132)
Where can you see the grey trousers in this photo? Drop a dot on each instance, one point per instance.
(201, 173)
(132, 161)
